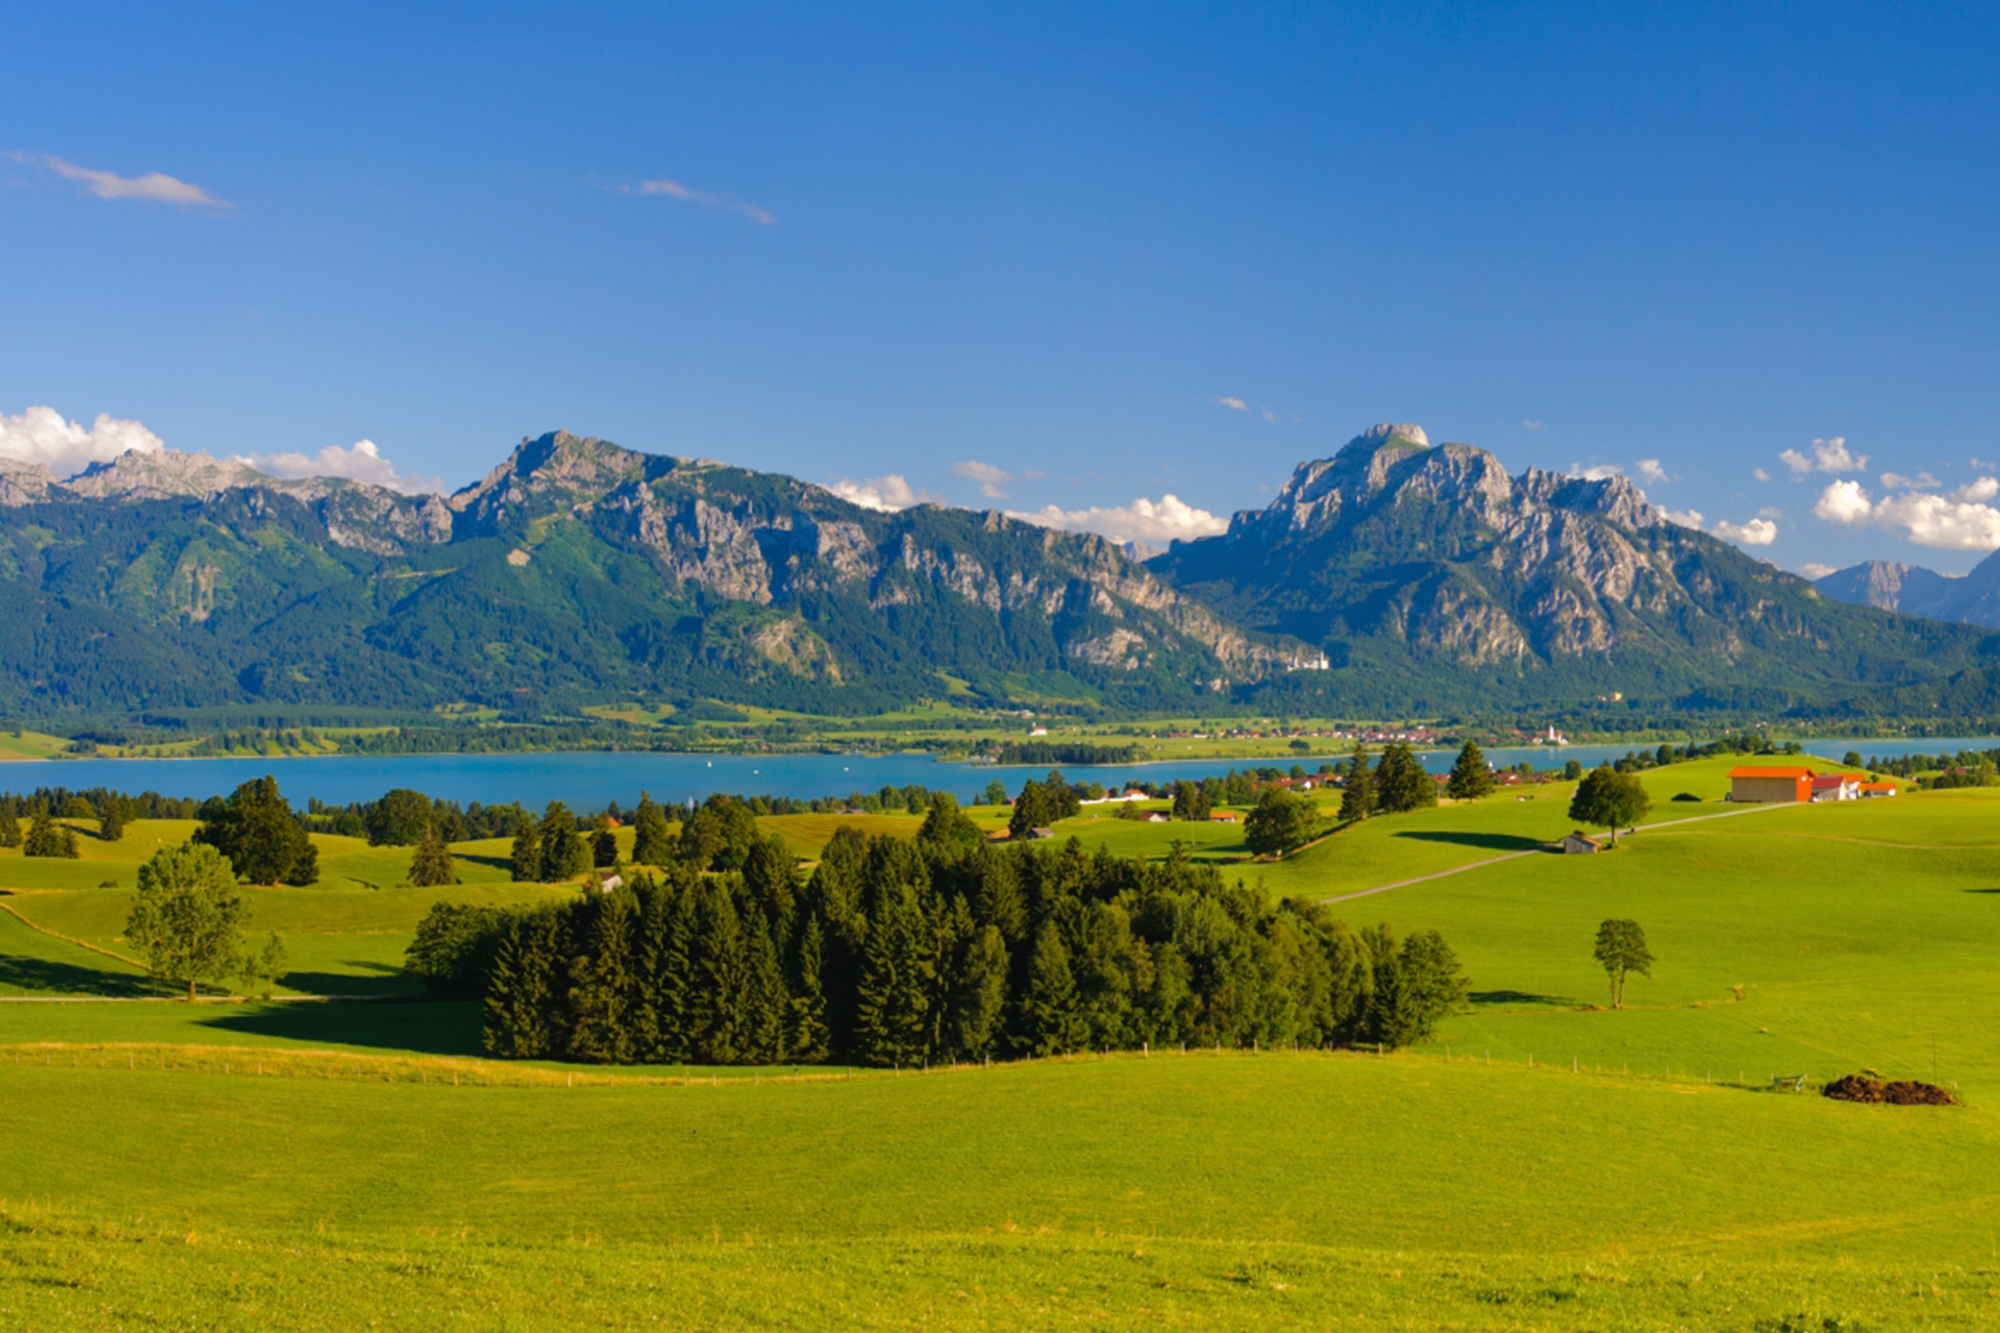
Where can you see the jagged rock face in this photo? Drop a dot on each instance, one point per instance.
(1914, 590)
(24, 483)
(164, 475)
(725, 533)
(1441, 553)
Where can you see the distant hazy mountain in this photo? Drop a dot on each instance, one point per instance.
(1914, 590)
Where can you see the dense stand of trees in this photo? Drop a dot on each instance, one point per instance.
(899, 952)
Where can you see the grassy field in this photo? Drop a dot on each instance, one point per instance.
(333, 1176)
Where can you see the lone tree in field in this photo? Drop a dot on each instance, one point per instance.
(1401, 783)
(1607, 798)
(261, 837)
(432, 864)
(1470, 777)
(1280, 821)
(187, 917)
(1621, 947)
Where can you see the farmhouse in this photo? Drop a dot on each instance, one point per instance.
(1578, 844)
(1875, 790)
(1770, 786)
(1223, 817)
(1836, 787)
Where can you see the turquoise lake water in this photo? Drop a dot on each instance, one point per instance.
(589, 781)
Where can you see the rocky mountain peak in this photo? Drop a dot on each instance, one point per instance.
(23, 483)
(163, 474)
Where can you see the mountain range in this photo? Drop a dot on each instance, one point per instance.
(1393, 578)
(1973, 597)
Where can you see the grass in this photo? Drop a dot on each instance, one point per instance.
(165, 1180)
(1120, 1193)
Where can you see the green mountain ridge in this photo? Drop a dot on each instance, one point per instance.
(1392, 579)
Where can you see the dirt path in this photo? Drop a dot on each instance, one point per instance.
(1538, 851)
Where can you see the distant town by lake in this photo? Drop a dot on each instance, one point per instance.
(591, 780)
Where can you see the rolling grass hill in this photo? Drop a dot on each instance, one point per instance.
(1660, 1185)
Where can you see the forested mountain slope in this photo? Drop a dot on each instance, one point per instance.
(1431, 576)
(576, 570)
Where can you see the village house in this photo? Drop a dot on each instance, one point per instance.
(1578, 844)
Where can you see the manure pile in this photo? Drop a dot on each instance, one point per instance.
(1862, 1088)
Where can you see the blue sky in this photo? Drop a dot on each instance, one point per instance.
(940, 245)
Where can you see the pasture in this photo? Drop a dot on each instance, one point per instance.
(1628, 1179)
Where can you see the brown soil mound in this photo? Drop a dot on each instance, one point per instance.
(1861, 1088)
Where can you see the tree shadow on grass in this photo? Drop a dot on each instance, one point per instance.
(427, 1027)
(44, 976)
(368, 979)
(1517, 997)
(505, 863)
(1982, 890)
(1498, 842)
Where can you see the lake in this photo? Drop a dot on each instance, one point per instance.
(590, 781)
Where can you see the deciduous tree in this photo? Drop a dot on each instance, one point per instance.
(1621, 949)
(1607, 798)
(186, 919)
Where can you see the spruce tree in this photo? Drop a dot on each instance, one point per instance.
(432, 865)
(564, 854)
(1470, 777)
(765, 1005)
(603, 983)
(716, 980)
(603, 844)
(806, 1037)
(978, 996)
(48, 838)
(1031, 811)
(893, 990)
(1357, 798)
(111, 820)
(652, 839)
(527, 854)
(1050, 1020)
(1401, 783)
(10, 827)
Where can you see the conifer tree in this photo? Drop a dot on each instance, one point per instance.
(1051, 1022)
(602, 985)
(1401, 783)
(517, 1006)
(10, 827)
(432, 865)
(765, 1005)
(527, 853)
(947, 825)
(806, 1037)
(263, 840)
(978, 995)
(892, 991)
(111, 820)
(48, 838)
(1470, 777)
(564, 854)
(603, 844)
(716, 981)
(1357, 798)
(1032, 810)
(652, 840)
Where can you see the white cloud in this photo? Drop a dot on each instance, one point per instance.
(1844, 502)
(1827, 456)
(156, 186)
(1760, 474)
(1770, 511)
(887, 494)
(1982, 463)
(1531, 425)
(362, 462)
(1757, 532)
(676, 190)
(1923, 481)
(1596, 471)
(1233, 404)
(1812, 569)
(992, 480)
(41, 435)
(1687, 518)
(1153, 521)
(1958, 521)
(1650, 470)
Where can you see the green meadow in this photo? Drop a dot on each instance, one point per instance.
(326, 1161)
